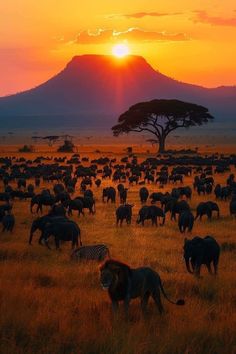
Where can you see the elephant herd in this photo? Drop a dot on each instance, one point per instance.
(23, 179)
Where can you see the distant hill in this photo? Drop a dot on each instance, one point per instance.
(93, 90)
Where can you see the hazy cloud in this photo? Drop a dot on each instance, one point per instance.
(133, 34)
(203, 17)
(138, 15)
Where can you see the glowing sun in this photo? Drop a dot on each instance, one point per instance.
(120, 50)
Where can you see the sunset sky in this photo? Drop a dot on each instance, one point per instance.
(189, 40)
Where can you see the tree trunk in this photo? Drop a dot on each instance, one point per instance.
(162, 141)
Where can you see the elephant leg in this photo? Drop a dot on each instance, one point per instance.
(192, 264)
(40, 239)
(115, 306)
(46, 243)
(209, 268)
(74, 242)
(215, 265)
(197, 270)
(57, 243)
(163, 221)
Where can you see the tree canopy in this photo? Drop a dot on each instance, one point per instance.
(160, 117)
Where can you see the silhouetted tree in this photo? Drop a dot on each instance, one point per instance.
(51, 139)
(160, 118)
(26, 148)
(68, 146)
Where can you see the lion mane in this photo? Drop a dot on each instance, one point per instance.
(121, 274)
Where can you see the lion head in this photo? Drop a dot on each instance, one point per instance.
(114, 277)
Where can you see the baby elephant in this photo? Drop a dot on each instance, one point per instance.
(186, 221)
(93, 252)
(200, 251)
(8, 222)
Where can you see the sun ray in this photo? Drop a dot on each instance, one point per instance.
(120, 50)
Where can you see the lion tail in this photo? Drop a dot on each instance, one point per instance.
(179, 302)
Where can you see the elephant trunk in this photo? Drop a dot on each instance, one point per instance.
(188, 265)
(31, 236)
(138, 221)
(163, 220)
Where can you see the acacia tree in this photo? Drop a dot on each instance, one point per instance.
(160, 118)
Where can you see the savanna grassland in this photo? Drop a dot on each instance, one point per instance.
(50, 304)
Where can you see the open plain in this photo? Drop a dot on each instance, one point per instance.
(51, 304)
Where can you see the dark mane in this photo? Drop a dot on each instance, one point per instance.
(111, 263)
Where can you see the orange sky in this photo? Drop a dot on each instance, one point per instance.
(189, 40)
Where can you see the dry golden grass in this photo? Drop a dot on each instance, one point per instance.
(50, 304)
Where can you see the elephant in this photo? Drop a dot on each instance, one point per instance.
(206, 208)
(186, 221)
(40, 200)
(232, 207)
(58, 188)
(88, 203)
(175, 178)
(124, 212)
(110, 194)
(225, 193)
(74, 204)
(4, 209)
(21, 183)
(98, 182)
(200, 251)
(208, 188)
(143, 194)
(62, 231)
(150, 212)
(176, 207)
(217, 191)
(201, 188)
(8, 222)
(40, 224)
(88, 193)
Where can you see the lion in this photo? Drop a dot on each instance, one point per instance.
(124, 283)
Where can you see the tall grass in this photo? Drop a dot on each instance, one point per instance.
(49, 304)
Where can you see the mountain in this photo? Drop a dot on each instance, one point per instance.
(93, 90)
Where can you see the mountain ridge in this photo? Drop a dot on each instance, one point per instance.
(92, 85)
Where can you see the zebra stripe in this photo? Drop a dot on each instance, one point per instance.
(93, 252)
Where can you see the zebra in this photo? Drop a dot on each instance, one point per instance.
(92, 252)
